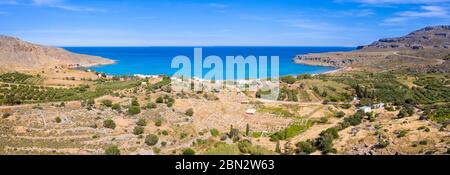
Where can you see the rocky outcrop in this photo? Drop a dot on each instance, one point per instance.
(16, 54)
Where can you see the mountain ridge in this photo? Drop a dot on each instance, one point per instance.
(424, 50)
(428, 37)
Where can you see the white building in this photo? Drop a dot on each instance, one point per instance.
(378, 106)
(366, 109)
(141, 76)
(251, 111)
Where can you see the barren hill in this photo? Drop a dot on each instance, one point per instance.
(428, 37)
(16, 55)
(426, 49)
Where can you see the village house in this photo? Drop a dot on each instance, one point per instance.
(366, 109)
(251, 111)
(378, 105)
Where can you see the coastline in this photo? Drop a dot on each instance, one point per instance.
(90, 65)
(337, 70)
(315, 63)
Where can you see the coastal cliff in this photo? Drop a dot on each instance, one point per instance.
(16, 54)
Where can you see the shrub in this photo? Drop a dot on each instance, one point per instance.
(244, 146)
(345, 106)
(423, 142)
(332, 132)
(151, 139)
(306, 147)
(261, 93)
(183, 135)
(151, 106)
(291, 131)
(389, 108)
(288, 79)
(134, 110)
(157, 150)
(403, 113)
(356, 119)
(189, 112)
(116, 106)
(141, 122)
(6, 115)
(109, 124)
(214, 132)
(304, 76)
(325, 144)
(107, 103)
(401, 133)
(323, 120)
(382, 143)
(135, 102)
(406, 111)
(90, 102)
(256, 134)
(188, 152)
(441, 115)
(158, 122)
(138, 130)
(159, 100)
(340, 114)
(58, 120)
(112, 150)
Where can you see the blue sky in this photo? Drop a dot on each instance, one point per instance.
(213, 23)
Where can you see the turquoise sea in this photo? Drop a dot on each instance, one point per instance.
(157, 60)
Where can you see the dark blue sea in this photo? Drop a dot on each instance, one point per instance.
(157, 60)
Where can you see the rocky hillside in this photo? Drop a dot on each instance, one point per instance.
(428, 37)
(16, 54)
(426, 50)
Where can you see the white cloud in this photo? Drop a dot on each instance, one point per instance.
(356, 13)
(73, 31)
(61, 4)
(218, 5)
(427, 11)
(387, 2)
(47, 2)
(424, 12)
(9, 2)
